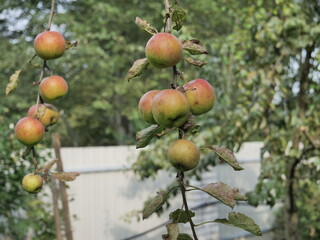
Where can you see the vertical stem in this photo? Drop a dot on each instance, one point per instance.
(51, 15)
(65, 206)
(180, 176)
(167, 18)
(174, 77)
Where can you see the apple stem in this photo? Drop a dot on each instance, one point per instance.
(180, 177)
(35, 162)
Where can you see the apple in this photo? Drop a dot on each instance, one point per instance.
(29, 131)
(183, 154)
(170, 108)
(163, 50)
(47, 114)
(49, 45)
(32, 183)
(52, 88)
(145, 106)
(200, 95)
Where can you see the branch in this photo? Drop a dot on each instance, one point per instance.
(180, 176)
(167, 25)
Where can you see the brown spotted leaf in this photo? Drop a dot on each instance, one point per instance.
(194, 61)
(227, 156)
(179, 17)
(155, 204)
(49, 165)
(137, 68)
(65, 176)
(13, 82)
(242, 221)
(223, 193)
(194, 47)
(173, 231)
(181, 216)
(145, 26)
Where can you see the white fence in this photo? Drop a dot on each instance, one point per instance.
(107, 190)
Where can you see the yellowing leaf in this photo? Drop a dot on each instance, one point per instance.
(137, 68)
(13, 82)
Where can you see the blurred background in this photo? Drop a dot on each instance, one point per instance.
(263, 62)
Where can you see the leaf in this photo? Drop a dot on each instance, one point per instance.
(144, 136)
(194, 47)
(181, 216)
(70, 44)
(242, 221)
(227, 156)
(155, 204)
(223, 193)
(48, 166)
(137, 68)
(13, 82)
(65, 176)
(173, 231)
(41, 111)
(194, 62)
(145, 26)
(179, 17)
(184, 236)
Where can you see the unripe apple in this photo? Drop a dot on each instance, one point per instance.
(145, 106)
(29, 131)
(163, 50)
(170, 108)
(32, 183)
(52, 88)
(47, 114)
(200, 95)
(183, 154)
(49, 45)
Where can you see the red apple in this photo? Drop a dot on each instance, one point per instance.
(183, 154)
(170, 108)
(49, 45)
(163, 50)
(29, 131)
(52, 88)
(145, 106)
(200, 95)
(47, 113)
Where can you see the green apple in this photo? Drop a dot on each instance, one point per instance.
(200, 95)
(29, 131)
(170, 108)
(49, 45)
(32, 183)
(145, 106)
(183, 154)
(163, 50)
(52, 88)
(47, 114)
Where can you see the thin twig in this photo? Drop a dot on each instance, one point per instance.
(51, 15)
(180, 176)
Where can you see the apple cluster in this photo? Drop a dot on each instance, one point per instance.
(172, 107)
(30, 130)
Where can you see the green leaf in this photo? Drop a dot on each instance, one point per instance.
(155, 204)
(223, 193)
(242, 221)
(181, 216)
(137, 68)
(194, 47)
(227, 156)
(13, 82)
(194, 62)
(144, 136)
(184, 236)
(173, 231)
(145, 26)
(65, 176)
(179, 17)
